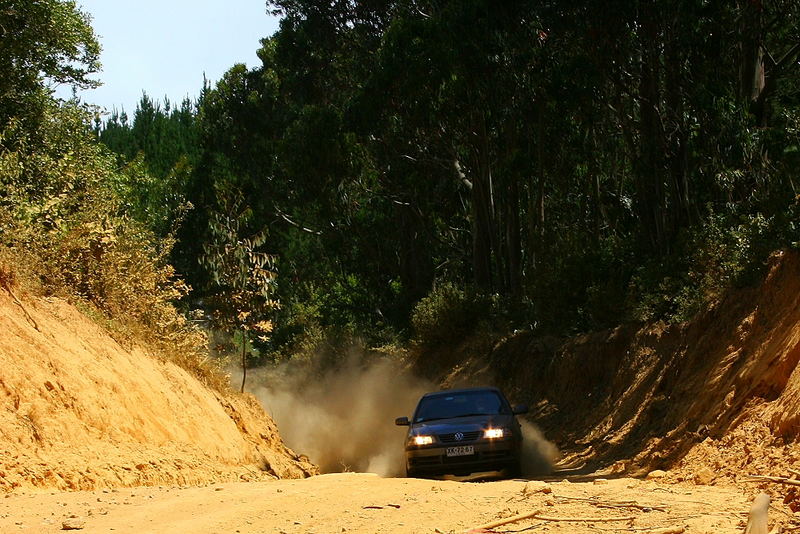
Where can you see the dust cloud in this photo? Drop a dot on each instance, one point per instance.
(538, 454)
(342, 419)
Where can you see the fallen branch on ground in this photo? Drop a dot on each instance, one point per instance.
(584, 519)
(376, 507)
(615, 504)
(646, 530)
(779, 480)
(512, 519)
(537, 515)
(642, 507)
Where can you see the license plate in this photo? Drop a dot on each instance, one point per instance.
(465, 450)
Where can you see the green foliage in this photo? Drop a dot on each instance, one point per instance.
(300, 333)
(42, 42)
(448, 314)
(61, 217)
(162, 135)
(587, 163)
(242, 276)
(160, 149)
(727, 252)
(514, 155)
(156, 202)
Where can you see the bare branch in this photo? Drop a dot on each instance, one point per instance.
(286, 218)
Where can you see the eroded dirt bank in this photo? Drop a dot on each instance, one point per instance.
(359, 503)
(78, 411)
(718, 396)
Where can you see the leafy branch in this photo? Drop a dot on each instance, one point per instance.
(242, 276)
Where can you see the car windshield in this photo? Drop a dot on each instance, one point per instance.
(448, 405)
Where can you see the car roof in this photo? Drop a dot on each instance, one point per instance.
(461, 390)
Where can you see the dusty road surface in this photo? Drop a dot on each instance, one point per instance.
(365, 503)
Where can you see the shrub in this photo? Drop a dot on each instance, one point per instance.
(727, 251)
(448, 313)
(62, 221)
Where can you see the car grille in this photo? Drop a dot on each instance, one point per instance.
(495, 455)
(467, 436)
(478, 457)
(426, 460)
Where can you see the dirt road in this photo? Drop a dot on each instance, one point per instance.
(365, 503)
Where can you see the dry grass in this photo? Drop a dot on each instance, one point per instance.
(163, 332)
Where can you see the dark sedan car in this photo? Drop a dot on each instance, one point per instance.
(463, 431)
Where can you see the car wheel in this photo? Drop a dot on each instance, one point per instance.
(514, 470)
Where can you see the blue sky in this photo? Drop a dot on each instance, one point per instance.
(164, 47)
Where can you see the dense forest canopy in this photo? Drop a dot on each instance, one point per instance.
(399, 168)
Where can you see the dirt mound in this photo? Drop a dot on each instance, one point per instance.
(77, 411)
(721, 392)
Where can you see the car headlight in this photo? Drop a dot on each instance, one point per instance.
(494, 433)
(422, 440)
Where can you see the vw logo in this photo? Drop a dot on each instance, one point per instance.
(459, 436)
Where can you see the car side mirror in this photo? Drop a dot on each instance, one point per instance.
(520, 409)
(402, 421)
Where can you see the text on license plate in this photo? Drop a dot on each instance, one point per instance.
(464, 450)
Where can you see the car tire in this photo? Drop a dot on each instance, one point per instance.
(514, 470)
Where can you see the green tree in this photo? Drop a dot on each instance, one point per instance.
(42, 43)
(583, 162)
(242, 277)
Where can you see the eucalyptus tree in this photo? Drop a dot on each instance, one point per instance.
(241, 292)
(566, 157)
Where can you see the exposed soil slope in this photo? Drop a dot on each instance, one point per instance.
(77, 411)
(721, 392)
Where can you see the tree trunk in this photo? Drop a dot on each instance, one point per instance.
(481, 242)
(598, 214)
(651, 197)
(414, 269)
(483, 228)
(513, 242)
(536, 214)
(751, 48)
(678, 153)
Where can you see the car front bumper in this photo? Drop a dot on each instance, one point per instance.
(488, 456)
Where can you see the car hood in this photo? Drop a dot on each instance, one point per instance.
(463, 424)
